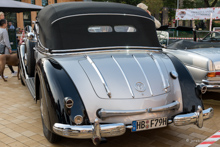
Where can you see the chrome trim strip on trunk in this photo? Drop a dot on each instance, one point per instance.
(160, 71)
(143, 74)
(100, 75)
(129, 86)
(103, 113)
(100, 48)
(119, 14)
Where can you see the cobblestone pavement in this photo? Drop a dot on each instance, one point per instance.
(20, 124)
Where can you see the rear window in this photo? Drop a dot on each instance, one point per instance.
(109, 29)
(124, 29)
(100, 29)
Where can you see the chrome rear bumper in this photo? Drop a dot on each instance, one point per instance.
(103, 113)
(196, 117)
(212, 86)
(97, 131)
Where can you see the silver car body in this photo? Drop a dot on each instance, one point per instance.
(121, 80)
(200, 62)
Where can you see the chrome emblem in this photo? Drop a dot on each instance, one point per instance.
(140, 87)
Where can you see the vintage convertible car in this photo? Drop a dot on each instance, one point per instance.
(213, 36)
(98, 69)
(202, 60)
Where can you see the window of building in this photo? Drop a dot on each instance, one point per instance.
(11, 17)
(33, 2)
(27, 18)
(44, 3)
(55, 1)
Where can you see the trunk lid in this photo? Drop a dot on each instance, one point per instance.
(123, 76)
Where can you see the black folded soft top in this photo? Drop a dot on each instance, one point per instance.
(65, 25)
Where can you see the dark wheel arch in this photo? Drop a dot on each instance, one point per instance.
(190, 98)
(51, 73)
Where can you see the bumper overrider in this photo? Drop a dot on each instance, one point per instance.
(97, 131)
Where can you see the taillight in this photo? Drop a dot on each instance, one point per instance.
(213, 74)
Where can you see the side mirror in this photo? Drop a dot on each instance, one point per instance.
(163, 37)
(36, 28)
(28, 29)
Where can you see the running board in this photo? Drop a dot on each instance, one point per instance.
(31, 86)
(29, 81)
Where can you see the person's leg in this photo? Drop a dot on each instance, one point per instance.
(11, 68)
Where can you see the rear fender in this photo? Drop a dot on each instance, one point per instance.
(190, 98)
(58, 85)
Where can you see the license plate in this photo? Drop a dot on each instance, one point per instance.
(147, 124)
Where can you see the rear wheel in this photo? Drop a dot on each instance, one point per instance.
(51, 137)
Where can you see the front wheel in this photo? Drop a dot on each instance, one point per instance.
(51, 137)
(30, 44)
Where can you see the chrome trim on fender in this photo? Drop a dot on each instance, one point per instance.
(103, 113)
(196, 117)
(143, 74)
(95, 131)
(129, 86)
(100, 75)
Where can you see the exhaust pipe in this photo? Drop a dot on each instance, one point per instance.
(202, 88)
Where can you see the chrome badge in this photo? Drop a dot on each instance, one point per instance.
(140, 87)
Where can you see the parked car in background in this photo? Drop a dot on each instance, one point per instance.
(95, 79)
(213, 36)
(201, 58)
(198, 50)
(175, 34)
